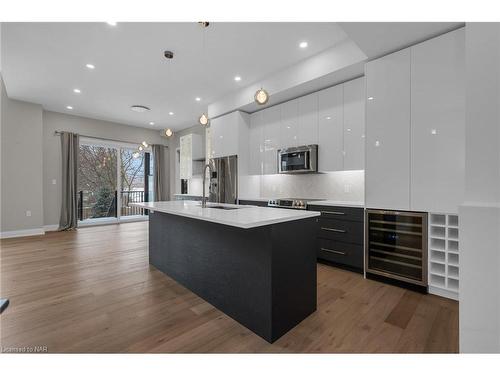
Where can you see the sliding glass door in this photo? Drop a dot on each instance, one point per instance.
(135, 178)
(111, 177)
(97, 182)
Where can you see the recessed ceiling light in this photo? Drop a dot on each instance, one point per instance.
(111, 23)
(197, 99)
(303, 44)
(370, 98)
(69, 107)
(90, 66)
(77, 91)
(139, 108)
(171, 113)
(151, 123)
(237, 78)
(328, 118)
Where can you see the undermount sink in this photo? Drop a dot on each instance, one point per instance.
(224, 207)
(220, 207)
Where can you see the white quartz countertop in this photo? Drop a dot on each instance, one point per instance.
(254, 199)
(242, 217)
(336, 203)
(325, 202)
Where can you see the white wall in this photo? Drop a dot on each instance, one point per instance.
(345, 186)
(53, 121)
(480, 214)
(21, 165)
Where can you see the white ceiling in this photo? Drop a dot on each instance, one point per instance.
(376, 39)
(43, 62)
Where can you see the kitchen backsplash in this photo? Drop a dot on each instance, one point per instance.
(195, 186)
(341, 186)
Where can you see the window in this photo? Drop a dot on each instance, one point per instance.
(110, 178)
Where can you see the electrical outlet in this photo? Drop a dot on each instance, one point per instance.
(28, 213)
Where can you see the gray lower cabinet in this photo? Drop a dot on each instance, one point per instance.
(341, 236)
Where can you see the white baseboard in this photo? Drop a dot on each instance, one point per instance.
(51, 228)
(22, 233)
(55, 227)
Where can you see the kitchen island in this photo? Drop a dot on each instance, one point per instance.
(255, 264)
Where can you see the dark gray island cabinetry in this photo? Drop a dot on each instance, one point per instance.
(260, 270)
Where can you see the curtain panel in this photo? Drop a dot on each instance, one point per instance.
(161, 174)
(70, 144)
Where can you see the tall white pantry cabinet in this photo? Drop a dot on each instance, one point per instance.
(415, 120)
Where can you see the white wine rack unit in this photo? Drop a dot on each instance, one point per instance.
(443, 255)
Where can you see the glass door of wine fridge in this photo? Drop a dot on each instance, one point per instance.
(396, 245)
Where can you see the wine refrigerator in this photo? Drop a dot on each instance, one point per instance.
(396, 245)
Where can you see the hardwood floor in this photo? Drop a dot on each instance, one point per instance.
(93, 291)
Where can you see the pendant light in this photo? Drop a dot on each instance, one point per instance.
(203, 120)
(261, 96)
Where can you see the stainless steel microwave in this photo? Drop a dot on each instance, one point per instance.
(302, 159)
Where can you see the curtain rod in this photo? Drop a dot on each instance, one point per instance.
(58, 132)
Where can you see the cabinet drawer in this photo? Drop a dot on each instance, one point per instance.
(340, 252)
(341, 230)
(337, 212)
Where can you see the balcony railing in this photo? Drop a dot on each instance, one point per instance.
(92, 206)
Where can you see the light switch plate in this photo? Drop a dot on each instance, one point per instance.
(28, 213)
(54, 181)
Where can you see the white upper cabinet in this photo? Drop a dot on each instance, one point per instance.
(387, 174)
(271, 118)
(330, 129)
(289, 123)
(438, 123)
(185, 161)
(308, 119)
(208, 143)
(354, 124)
(323, 118)
(191, 149)
(224, 133)
(256, 145)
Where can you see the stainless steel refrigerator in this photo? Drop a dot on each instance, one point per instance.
(224, 180)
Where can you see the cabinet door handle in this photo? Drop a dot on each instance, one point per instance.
(333, 251)
(334, 230)
(333, 212)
